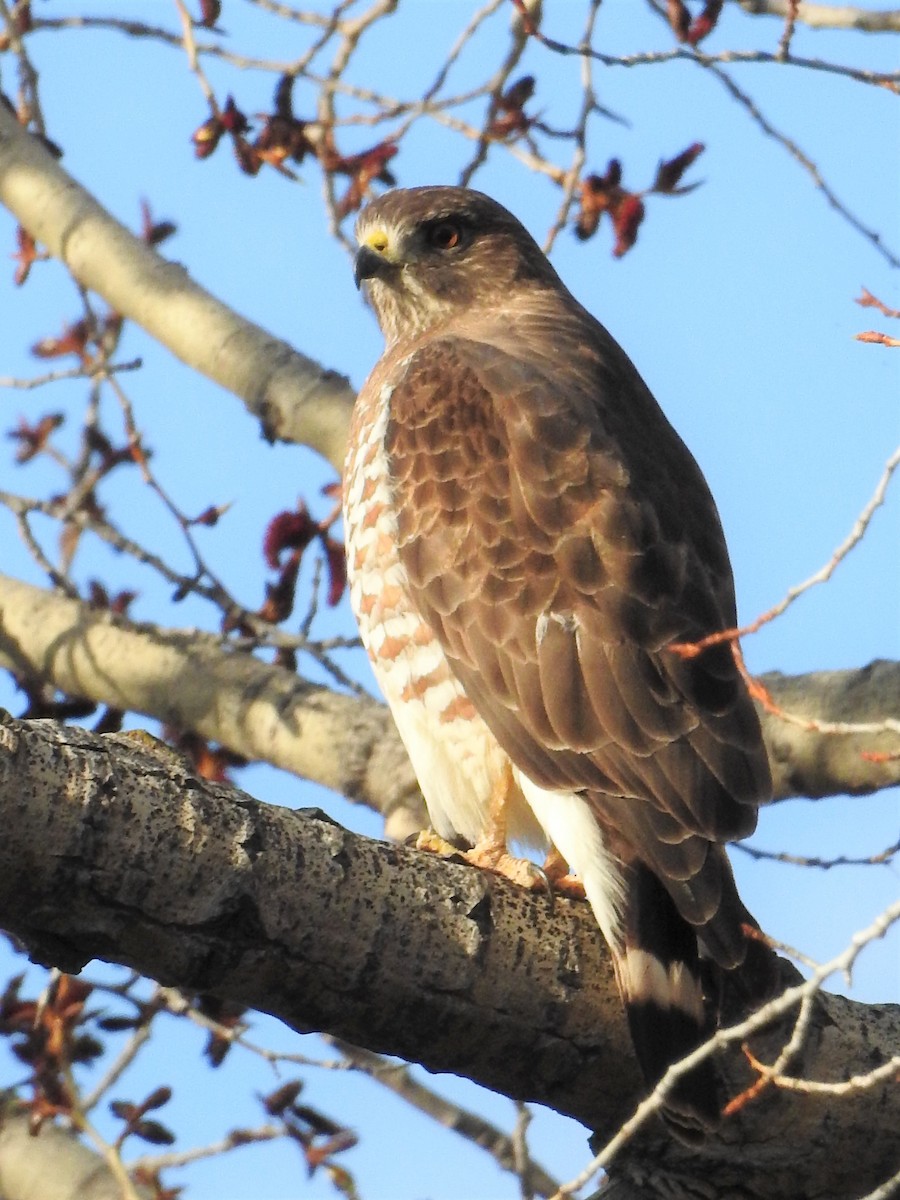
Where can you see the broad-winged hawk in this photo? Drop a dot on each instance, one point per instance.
(527, 537)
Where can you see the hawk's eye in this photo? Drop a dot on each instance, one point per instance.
(444, 235)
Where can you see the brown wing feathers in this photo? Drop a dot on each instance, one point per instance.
(555, 591)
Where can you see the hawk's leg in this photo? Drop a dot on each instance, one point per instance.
(556, 870)
(490, 852)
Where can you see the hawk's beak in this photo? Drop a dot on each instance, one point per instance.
(369, 263)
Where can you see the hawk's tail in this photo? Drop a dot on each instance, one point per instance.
(658, 971)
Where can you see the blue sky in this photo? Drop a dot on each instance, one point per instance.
(737, 305)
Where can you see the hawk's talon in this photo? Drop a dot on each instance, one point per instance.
(432, 843)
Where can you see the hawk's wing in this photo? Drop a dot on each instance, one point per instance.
(558, 536)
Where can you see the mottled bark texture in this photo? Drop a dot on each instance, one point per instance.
(113, 850)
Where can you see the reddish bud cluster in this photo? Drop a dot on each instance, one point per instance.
(84, 338)
(49, 1039)
(362, 169)
(294, 532)
(693, 30)
(33, 439)
(605, 194)
(285, 137)
(113, 456)
(509, 120)
(135, 1120)
(307, 1126)
(99, 597)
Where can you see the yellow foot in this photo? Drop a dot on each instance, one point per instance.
(433, 843)
(556, 870)
(487, 856)
(491, 857)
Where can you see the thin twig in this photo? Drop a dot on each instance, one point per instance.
(782, 1004)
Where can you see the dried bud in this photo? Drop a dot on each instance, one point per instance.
(336, 559)
(679, 18)
(279, 601)
(33, 438)
(210, 11)
(153, 232)
(247, 156)
(706, 22)
(153, 1132)
(518, 93)
(233, 120)
(207, 137)
(73, 340)
(26, 254)
(627, 218)
(288, 531)
(283, 1097)
(669, 173)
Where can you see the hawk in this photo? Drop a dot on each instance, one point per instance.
(527, 537)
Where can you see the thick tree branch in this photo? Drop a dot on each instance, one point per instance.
(828, 16)
(188, 679)
(54, 1166)
(843, 734)
(112, 849)
(294, 397)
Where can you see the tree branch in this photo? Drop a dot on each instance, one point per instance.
(112, 849)
(295, 398)
(828, 16)
(55, 1165)
(190, 680)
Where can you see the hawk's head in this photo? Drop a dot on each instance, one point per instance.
(427, 254)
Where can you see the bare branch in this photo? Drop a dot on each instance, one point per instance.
(294, 397)
(397, 1078)
(192, 681)
(55, 1166)
(189, 680)
(827, 16)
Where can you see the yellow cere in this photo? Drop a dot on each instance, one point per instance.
(376, 240)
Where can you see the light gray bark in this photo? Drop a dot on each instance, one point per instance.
(349, 743)
(55, 1165)
(828, 16)
(112, 849)
(189, 680)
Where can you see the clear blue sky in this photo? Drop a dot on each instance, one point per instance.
(737, 306)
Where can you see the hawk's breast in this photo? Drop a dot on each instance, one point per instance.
(455, 756)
